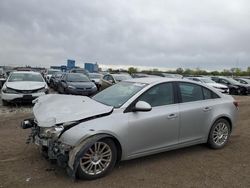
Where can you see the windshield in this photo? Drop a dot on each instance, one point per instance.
(77, 78)
(58, 75)
(52, 71)
(30, 77)
(232, 81)
(95, 76)
(243, 80)
(118, 94)
(206, 80)
(246, 80)
(121, 77)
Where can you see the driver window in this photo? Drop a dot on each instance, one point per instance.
(105, 77)
(159, 95)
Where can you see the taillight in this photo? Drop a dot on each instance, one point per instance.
(236, 104)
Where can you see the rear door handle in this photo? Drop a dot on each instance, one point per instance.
(172, 116)
(206, 109)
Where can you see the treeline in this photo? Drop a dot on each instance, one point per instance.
(194, 72)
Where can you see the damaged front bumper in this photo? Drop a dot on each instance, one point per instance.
(51, 147)
(66, 156)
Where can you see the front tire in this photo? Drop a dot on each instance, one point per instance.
(98, 160)
(219, 134)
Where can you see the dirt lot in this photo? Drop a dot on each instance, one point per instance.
(197, 166)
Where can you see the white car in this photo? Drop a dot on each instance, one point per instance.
(23, 86)
(220, 87)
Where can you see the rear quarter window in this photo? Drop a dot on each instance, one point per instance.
(208, 94)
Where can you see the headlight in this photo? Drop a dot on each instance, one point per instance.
(52, 132)
(71, 87)
(9, 90)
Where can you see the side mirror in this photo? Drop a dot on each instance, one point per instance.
(142, 106)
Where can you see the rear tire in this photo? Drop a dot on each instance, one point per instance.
(219, 134)
(98, 160)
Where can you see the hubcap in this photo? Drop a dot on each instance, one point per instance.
(220, 133)
(96, 159)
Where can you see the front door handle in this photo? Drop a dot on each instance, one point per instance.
(172, 116)
(206, 109)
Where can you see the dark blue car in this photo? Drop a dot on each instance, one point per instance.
(76, 84)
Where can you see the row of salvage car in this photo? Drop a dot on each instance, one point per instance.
(25, 86)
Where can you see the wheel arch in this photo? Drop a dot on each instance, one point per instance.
(84, 145)
(115, 140)
(222, 117)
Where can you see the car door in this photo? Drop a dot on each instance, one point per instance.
(106, 81)
(195, 112)
(158, 128)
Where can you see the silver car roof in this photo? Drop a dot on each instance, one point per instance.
(152, 80)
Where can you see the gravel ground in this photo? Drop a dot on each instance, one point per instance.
(22, 165)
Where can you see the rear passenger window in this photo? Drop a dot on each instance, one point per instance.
(208, 94)
(190, 92)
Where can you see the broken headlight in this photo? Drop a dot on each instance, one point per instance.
(52, 132)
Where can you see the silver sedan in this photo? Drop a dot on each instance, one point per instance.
(131, 119)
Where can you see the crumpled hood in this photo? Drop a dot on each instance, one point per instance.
(53, 109)
(25, 85)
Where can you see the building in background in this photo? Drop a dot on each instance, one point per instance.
(91, 67)
(71, 64)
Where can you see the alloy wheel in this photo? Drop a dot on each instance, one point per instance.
(97, 158)
(220, 133)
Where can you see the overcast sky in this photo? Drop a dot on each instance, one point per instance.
(209, 34)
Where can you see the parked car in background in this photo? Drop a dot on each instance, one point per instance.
(23, 86)
(110, 79)
(169, 75)
(2, 73)
(96, 78)
(143, 75)
(128, 120)
(76, 84)
(49, 73)
(2, 77)
(80, 70)
(205, 80)
(235, 88)
(55, 78)
(243, 80)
